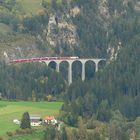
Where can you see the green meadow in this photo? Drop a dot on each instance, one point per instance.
(30, 6)
(4, 28)
(37, 135)
(14, 110)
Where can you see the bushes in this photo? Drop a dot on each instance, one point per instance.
(24, 131)
(51, 98)
(31, 24)
(6, 18)
(50, 133)
(19, 132)
(10, 134)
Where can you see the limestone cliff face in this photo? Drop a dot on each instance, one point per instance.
(61, 31)
(113, 52)
(21, 46)
(60, 35)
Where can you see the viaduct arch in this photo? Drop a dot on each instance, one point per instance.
(70, 62)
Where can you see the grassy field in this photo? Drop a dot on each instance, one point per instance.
(32, 6)
(37, 135)
(4, 28)
(14, 110)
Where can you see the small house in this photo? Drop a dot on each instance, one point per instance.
(35, 120)
(50, 120)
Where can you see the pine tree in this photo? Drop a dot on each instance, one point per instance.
(25, 121)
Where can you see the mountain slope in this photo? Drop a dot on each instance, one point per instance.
(108, 101)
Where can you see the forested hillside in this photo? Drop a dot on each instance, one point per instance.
(107, 104)
(29, 82)
(66, 27)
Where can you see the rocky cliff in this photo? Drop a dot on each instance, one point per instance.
(65, 28)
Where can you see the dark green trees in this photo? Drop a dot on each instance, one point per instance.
(25, 121)
(50, 133)
(25, 81)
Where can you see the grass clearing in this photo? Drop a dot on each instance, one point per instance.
(4, 28)
(14, 110)
(31, 6)
(37, 135)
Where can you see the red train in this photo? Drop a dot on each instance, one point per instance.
(43, 59)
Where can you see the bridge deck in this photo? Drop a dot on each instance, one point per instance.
(50, 59)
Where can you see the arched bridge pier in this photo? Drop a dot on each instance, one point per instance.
(59, 60)
(70, 62)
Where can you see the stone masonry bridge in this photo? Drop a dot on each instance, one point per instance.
(59, 60)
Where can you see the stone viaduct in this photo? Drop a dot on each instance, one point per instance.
(70, 62)
(58, 60)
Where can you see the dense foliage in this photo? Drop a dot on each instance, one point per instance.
(113, 95)
(118, 85)
(114, 92)
(33, 81)
(25, 121)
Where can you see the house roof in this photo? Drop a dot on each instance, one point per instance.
(49, 118)
(35, 117)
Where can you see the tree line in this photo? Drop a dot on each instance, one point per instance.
(31, 81)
